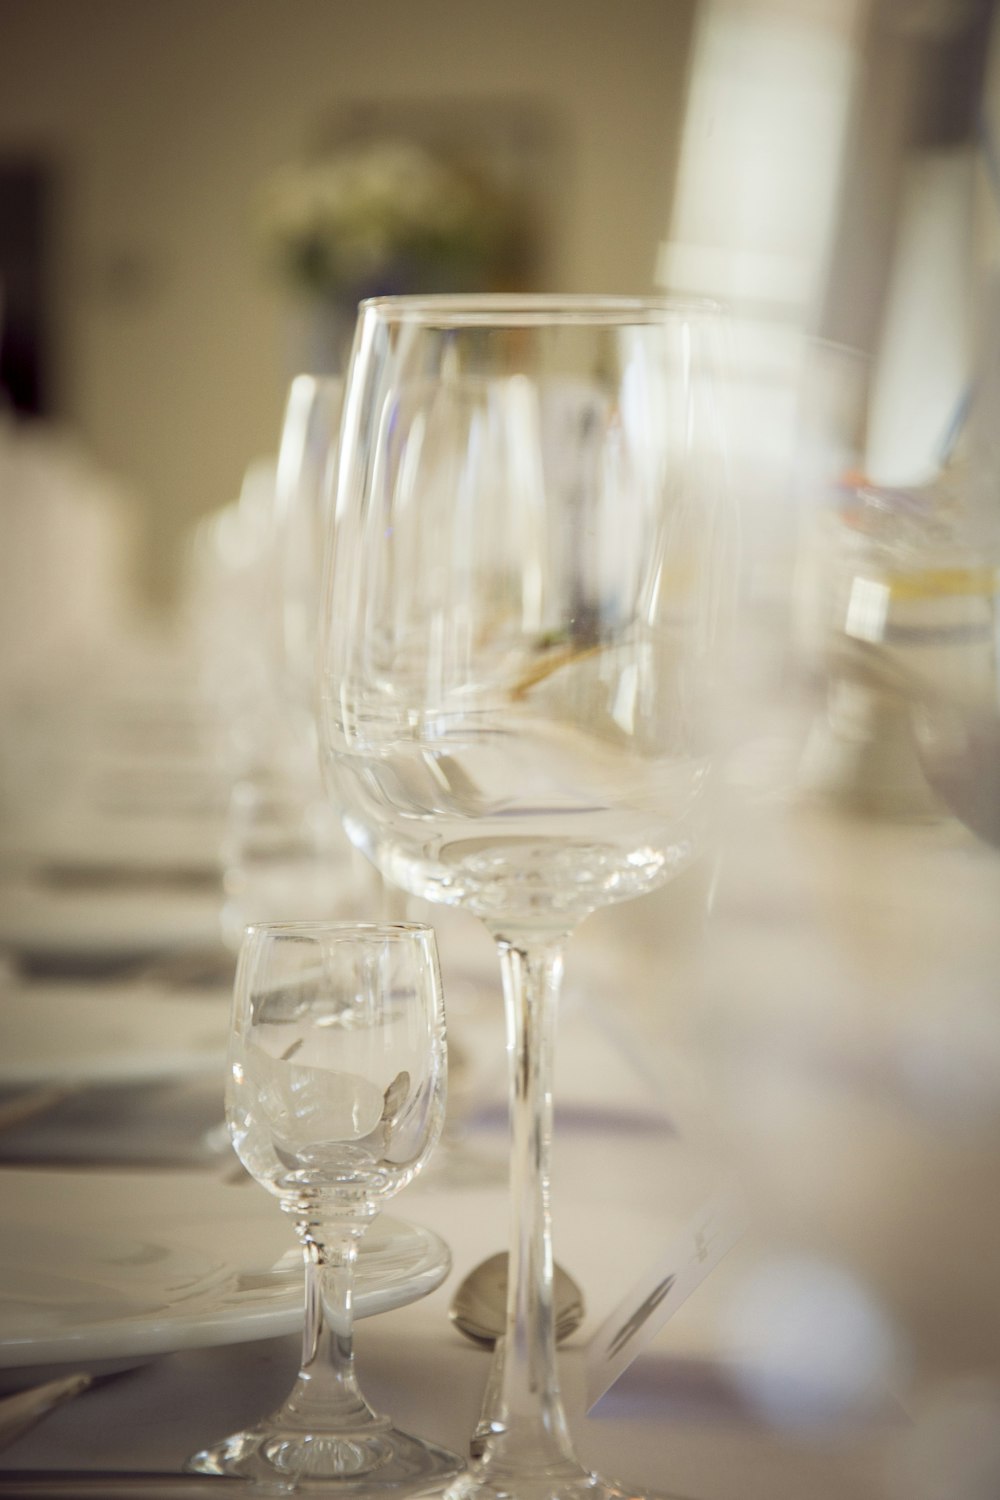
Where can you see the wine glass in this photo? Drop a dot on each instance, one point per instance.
(334, 1100)
(285, 853)
(308, 437)
(528, 558)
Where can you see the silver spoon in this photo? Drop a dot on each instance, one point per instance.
(479, 1306)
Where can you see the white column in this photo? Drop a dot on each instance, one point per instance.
(771, 90)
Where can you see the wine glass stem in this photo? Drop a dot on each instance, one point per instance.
(528, 1427)
(326, 1396)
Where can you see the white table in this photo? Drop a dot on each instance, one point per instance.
(830, 1039)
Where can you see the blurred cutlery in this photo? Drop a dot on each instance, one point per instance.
(27, 1103)
(23, 1409)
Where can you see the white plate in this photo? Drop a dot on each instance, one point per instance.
(106, 1033)
(83, 922)
(98, 1268)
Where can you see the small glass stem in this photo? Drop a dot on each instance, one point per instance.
(326, 1396)
(527, 1430)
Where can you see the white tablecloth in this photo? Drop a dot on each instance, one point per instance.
(828, 1039)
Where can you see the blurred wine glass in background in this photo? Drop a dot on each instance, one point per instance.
(896, 627)
(308, 447)
(284, 853)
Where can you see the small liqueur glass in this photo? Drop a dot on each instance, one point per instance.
(334, 1101)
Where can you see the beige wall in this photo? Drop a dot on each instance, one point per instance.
(163, 115)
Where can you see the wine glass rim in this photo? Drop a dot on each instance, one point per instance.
(333, 929)
(516, 309)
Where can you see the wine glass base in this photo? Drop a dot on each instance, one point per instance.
(487, 1484)
(386, 1461)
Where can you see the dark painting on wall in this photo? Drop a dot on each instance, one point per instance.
(26, 193)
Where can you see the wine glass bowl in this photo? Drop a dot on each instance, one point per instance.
(334, 1086)
(529, 557)
(334, 1100)
(509, 710)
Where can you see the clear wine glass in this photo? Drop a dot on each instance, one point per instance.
(308, 438)
(528, 556)
(285, 853)
(334, 1100)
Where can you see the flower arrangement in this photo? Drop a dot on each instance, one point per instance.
(380, 217)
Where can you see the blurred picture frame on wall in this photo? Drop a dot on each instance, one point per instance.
(27, 196)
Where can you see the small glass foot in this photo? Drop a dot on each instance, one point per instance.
(385, 1461)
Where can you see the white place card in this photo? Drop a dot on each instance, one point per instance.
(670, 1280)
